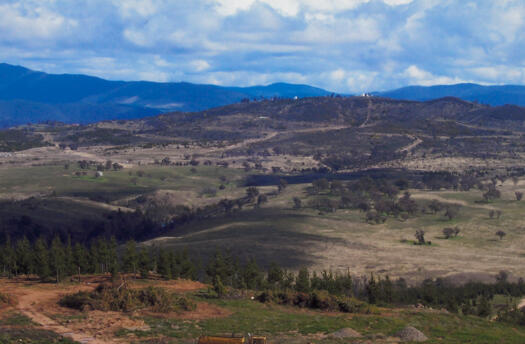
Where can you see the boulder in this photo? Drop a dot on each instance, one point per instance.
(345, 333)
(411, 334)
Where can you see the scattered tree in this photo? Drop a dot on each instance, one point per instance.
(452, 212)
(420, 237)
(448, 232)
(297, 203)
(492, 193)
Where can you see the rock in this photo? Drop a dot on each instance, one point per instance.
(345, 333)
(411, 334)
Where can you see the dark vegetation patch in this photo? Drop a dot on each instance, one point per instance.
(321, 300)
(101, 136)
(123, 299)
(47, 217)
(13, 140)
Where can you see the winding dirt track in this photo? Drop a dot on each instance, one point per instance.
(32, 302)
(410, 147)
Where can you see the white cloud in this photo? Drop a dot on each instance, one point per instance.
(397, 2)
(137, 37)
(230, 7)
(342, 45)
(500, 74)
(131, 8)
(31, 22)
(418, 76)
(339, 31)
(200, 65)
(294, 7)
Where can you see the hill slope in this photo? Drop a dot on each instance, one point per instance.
(493, 95)
(30, 96)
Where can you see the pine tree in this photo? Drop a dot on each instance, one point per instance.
(275, 274)
(252, 275)
(188, 268)
(387, 290)
(2, 262)
(144, 263)
(218, 287)
(69, 265)
(113, 265)
(56, 255)
(302, 281)
(103, 255)
(175, 265)
(219, 266)
(41, 259)
(95, 257)
(24, 256)
(130, 258)
(80, 259)
(372, 290)
(9, 257)
(484, 308)
(466, 308)
(164, 264)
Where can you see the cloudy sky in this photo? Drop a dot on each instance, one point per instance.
(341, 45)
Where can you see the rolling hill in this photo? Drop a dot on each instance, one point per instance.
(493, 95)
(31, 96)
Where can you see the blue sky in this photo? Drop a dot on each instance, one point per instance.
(341, 45)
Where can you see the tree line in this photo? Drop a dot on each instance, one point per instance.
(57, 260)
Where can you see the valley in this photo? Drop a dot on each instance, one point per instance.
(402, 191)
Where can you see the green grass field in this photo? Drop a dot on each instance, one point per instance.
(117, 184)
(289, 325)
(294, 237)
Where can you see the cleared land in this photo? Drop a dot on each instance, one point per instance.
(33, 312)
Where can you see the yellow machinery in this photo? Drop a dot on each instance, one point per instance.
(256, 340)
(231, 340)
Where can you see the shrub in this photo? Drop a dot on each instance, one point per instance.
(108, 298)
(185, 304)
(318, 299)
(5, 299)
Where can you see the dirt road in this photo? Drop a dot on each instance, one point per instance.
(30, 305)
(39, 302)
(36, 302)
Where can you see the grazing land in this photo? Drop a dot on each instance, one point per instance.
(365, 186)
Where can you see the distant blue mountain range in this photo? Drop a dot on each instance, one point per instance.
(492, 95)
(30, 96)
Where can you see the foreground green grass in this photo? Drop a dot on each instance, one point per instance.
(31, 336)
(17, 328)
(277, 322)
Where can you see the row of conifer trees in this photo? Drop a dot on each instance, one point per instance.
(56, 260)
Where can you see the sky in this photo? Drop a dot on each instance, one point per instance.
(345, 46)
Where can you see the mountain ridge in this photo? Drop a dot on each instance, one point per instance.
(32, 96)
(28, 96)
(487, 94)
